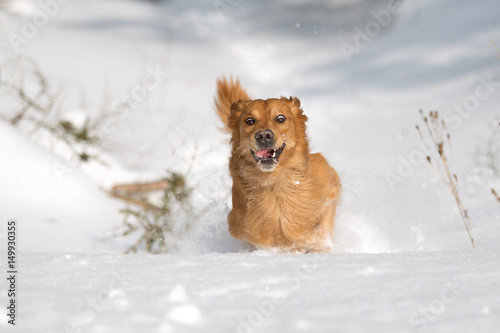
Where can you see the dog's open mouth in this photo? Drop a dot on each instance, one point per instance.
(267, 155)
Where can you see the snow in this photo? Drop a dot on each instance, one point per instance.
(402, 260)
(56, 205)
(246, 292)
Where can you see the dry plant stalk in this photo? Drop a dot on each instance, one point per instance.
(495, 195)
(136, 193)
(154, 220)
(488, 155)
(437, 131)
(28, 97)
(138, 187)
(496, 48)
(22, 80)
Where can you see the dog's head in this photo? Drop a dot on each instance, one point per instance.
(267, 132)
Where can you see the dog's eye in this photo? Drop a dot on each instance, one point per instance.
(280, 119)
(250, 121)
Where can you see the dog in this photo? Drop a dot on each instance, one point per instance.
(283, 197)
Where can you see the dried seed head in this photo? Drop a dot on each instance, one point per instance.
(429, 159)
(440, 149)
(456, 178)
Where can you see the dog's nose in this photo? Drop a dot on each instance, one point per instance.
(264, 137)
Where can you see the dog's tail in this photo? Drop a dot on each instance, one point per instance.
(228, 92)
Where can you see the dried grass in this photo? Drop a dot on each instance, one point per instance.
(160, 220)
(438, 133)
(31, 103)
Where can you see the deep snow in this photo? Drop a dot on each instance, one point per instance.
(257, 292)
(362, 113)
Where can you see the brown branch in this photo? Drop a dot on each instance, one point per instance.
(496, 48)
(495, 195)
(130, 192)
(138, 202)
(454, 190)
(140, 187)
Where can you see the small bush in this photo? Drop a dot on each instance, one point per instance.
(159, 220)
(31, 103)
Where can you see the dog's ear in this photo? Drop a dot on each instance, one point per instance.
(236, 109)
(294, 105)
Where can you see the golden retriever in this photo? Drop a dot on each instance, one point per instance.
(283, 196)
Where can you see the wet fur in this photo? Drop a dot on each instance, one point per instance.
(291, 207)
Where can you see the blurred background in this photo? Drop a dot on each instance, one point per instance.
(99, 93)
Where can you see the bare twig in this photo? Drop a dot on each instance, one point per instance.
(496, 48)
(137, 202)
(140, 187)
(33, 101)
(157, 221)
(437, 131)
(495, 195)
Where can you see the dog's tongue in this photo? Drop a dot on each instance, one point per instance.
(265, 153)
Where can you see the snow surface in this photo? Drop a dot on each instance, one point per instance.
(453, 291)
(397, 249)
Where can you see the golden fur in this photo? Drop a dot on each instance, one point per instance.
(289, 201)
